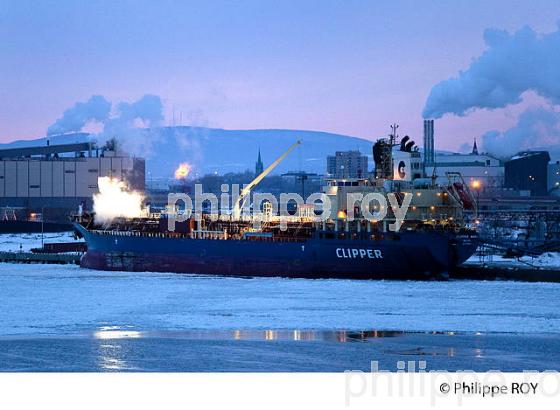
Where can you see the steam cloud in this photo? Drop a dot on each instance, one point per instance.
(97, 109)
(511, 65)
(536, 127)
(130, 123)
(115, 200)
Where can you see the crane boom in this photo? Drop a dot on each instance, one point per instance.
(247, 189)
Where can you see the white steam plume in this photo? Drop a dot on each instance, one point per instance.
(131, 124)
(96, 109)
(115, 200)
(511, 65)
(536, 127)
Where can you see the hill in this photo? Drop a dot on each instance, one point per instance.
(212, 150)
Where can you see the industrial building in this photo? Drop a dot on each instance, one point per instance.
(528, 171)
(347, 165)
(479, 169)
(485, 171)
(56, 179)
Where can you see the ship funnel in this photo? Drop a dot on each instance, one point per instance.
(404, 141)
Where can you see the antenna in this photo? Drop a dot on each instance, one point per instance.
(393, 136)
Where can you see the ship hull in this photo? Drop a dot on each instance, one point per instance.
(412, 256)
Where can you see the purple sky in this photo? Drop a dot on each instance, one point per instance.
(349, 67)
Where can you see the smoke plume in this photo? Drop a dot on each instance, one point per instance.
(96, 109)
(536, 127)
(511, 65)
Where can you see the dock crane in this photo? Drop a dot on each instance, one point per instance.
(240, 203)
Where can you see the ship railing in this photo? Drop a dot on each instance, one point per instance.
(274, 239)
(203, 234)
(140, 234)
(199, 234)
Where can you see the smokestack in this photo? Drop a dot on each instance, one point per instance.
(429, 156)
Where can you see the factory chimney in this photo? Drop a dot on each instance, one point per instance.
(429, 154)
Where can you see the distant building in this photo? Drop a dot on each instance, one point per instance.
(61, 177)
(474, 148)
(528, 171)
(259, 168)
(554, 178)
(484, 168)
(347, 164)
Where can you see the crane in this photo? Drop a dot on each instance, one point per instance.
(238, 206)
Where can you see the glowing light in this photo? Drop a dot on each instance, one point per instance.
(476, 184)
(341, 214)
(182, 171)
(114, 200)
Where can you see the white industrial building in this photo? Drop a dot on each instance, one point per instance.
(62, 176)
(484, 168)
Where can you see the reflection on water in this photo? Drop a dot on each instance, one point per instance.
(342, 336)
(113, 350)
(116, 334)
(112, 353)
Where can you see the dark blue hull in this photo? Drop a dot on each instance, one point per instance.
(410, 255)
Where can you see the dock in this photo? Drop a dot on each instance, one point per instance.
(50, 258)
(506, 269)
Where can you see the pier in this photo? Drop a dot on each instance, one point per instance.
(50, 258)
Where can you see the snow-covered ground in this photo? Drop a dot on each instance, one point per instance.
(25, 242)
(68, 300)
(548, 260)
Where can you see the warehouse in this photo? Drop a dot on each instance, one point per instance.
(56, 179)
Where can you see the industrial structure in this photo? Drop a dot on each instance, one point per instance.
(528, 171)
(476, 168)
(484, 168)
(429, 150)
(56, 179)
(554, 178)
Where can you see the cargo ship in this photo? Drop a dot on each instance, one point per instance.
(432, 240)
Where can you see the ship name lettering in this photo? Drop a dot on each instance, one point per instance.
(354, 253)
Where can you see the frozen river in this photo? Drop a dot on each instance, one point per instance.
(65, 318)
(50, 300)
